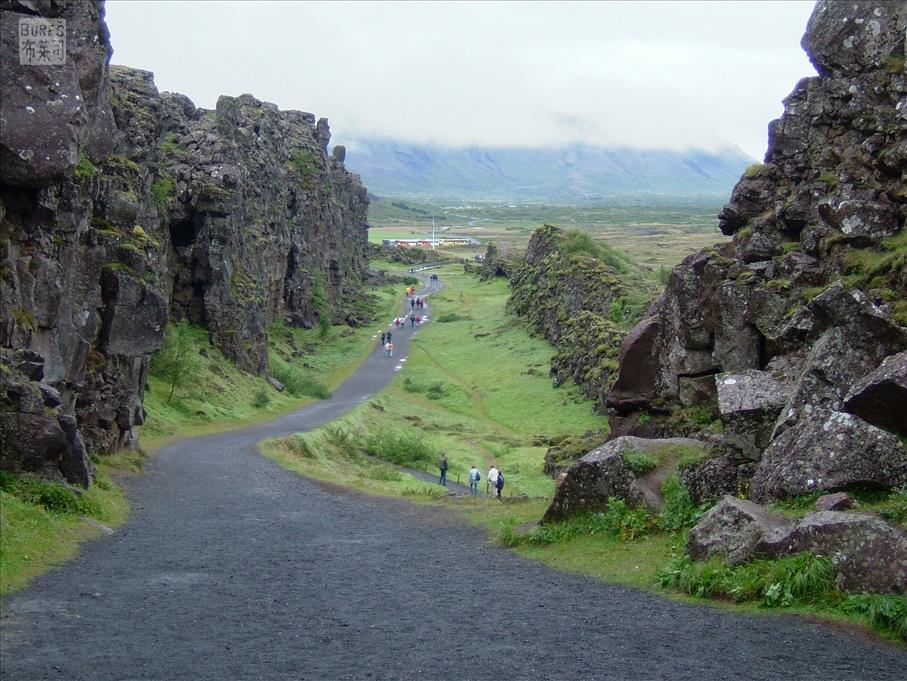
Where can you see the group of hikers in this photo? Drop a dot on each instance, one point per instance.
(495, 478)
(400, 322)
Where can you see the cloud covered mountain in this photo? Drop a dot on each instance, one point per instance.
(574, 173)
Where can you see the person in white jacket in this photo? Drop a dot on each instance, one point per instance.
(492, 482)
(475, 477)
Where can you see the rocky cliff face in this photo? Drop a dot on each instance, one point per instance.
(782, 333)
(567, 298)
(121, 207)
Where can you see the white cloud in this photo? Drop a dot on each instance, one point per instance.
(670, 75)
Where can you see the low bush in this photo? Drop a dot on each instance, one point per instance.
(885, 612)
(801, 579)
(261, 399)
(678, 510)
(637, 461)
(402, 447)
(52, 496)
(296, 381)
(452, 317)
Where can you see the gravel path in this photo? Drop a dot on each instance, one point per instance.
(231, 567)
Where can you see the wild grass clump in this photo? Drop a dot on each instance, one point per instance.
(261, 399)
(678, 511)
(51, 496)
(801, 579)
(637, 461)
(452, 317)
(402, 447)
(887, 613)
(577, 242)
(433, 391)
(295, 380)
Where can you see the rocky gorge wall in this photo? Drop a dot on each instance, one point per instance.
(122, 207)
(784, 353)
(794, 334)
(567, 299)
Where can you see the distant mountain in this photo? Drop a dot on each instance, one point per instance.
(576, 172)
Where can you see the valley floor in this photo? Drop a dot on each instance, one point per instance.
(234, 567)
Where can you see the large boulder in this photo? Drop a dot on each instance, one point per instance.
(832, 451)
(635, 382)
(869, 554)
(880, 397)
(603, 473)
(852, 37)
(749, 403)
(732, 529)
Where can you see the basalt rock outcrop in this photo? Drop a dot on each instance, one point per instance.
(567, 297)
(792, 336)
(869, 554)
(122, 207)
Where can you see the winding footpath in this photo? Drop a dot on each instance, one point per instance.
(231, 567)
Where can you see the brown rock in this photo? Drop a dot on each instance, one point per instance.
(839, 501)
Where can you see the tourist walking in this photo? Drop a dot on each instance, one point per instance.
(383, 338)
(474, 476)
(499, 484)
(387, 337)
(492, 481)
(442, 465)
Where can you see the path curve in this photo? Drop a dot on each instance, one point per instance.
(232, 567)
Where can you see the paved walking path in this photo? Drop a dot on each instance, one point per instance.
(233, 568)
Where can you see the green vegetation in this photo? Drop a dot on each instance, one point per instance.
(637, 461)
(659, 232)
(303, 162)
(178, 361)
(44, 522)
(85, 169)
(161, 189)
(218, 396)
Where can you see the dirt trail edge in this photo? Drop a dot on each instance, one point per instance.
(232, 567)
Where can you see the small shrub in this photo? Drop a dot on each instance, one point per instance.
(798, 579)
(161, 189)
(452, 317)
(261, 399)
(637, 461)
(85, 169)
(402, 447)
(435, 391)
(410, 386)
(324, 327)
(678, 510)
(411, 281)
(885, 612)
(52, 496)
(295, 380)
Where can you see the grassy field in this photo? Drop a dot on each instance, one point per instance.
(655, 232)
(473, 381)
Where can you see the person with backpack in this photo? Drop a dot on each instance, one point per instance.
(492, 480)
(442, 464)
(499, 484)
(383, 338)
(474, 476)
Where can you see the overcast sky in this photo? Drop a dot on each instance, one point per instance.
(652, 74)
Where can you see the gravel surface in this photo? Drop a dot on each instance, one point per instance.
(231, 567)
